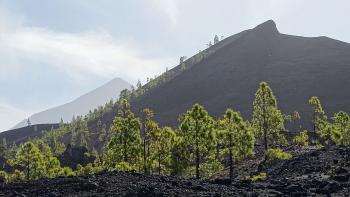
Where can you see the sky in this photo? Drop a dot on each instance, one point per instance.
(54, 51)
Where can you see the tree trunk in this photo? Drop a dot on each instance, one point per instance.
(265, 129)
(197, 152)
(28, 169)
(28, 165)
(125, 154)
(265, 139)
(148, 168)
(313, 135)
(217, 151)
(231, 165)
(159, 164)
(144, 154)
(197, 162)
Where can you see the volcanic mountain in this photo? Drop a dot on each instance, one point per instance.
(229, 73)
(81, 105)
(295, 67)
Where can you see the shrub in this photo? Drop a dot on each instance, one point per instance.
(4, 175)
(67, 171)
(302, 139)
(17, 176)
(87, 170)
(260, 177)
(123, 166)
(209, 169)
(277, 154)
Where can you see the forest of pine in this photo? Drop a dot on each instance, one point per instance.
(201, 146)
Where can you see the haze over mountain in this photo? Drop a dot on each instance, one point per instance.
(81, 105)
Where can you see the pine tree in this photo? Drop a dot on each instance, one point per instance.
(31, 160)
(268, 120)
(296, 120)
(341, 128)
(197, 129)
(149, 127)
(80, 132)
(318, 119)
(236, 137)
(2, 151)
(126, 141)
(104, 135)
(4, 142)
(216, 39)
(163, 141)
(138, 85)
(179, 158)
(52, 166)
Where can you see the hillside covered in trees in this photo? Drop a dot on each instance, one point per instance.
(240, 112)
(246, 151)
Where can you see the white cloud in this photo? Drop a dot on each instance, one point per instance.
(169, 8)
(82, 56)
(79, 54)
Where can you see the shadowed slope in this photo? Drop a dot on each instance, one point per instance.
(295, 67)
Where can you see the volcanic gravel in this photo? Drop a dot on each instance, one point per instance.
(318, 172)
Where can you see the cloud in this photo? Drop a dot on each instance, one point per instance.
(81, 55)
(169, 8)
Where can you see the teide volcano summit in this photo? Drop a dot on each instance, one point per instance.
(295, 67)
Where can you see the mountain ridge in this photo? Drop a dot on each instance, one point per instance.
(259, 54)
(79, 106)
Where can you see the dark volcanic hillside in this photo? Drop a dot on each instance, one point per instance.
(295, 67)
(24, 133)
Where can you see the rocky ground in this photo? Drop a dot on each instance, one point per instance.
(312, 172)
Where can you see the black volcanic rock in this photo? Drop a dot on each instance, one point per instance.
(74, 155)
(282, 180)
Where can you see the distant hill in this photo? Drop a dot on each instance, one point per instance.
(24, 133)
(79, 106)
(295, 67)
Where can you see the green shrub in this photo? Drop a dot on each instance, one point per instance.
(302, 139)
(260, 177)
(4, 175)
(67, 171)
(277, 154)
(123, 166)
(17, 176)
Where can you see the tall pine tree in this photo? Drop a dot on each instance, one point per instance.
(236, 137)
(268, 120)
(197, 129)
(126, 140)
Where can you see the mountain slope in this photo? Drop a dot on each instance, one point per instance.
(81, 105)
(295, 67)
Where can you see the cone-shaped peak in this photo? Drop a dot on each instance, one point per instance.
(267, 27)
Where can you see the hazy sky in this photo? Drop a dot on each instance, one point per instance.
(54, 51)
